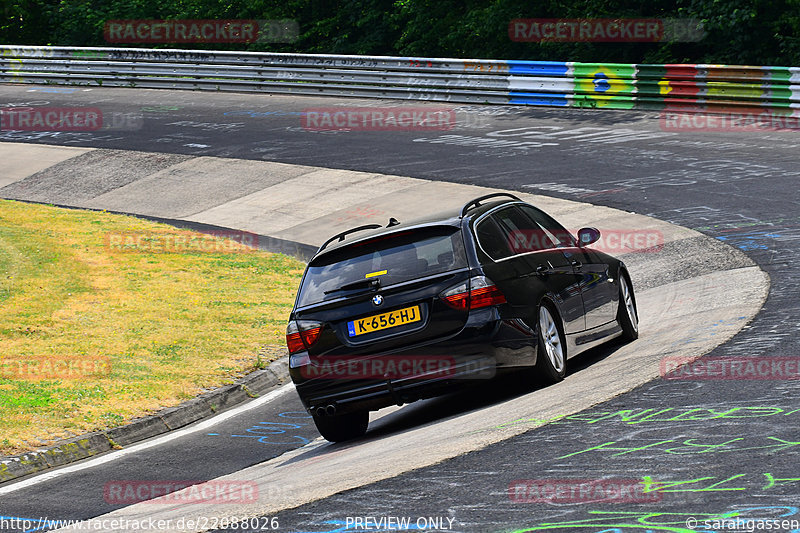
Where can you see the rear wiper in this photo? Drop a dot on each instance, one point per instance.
(371, 283)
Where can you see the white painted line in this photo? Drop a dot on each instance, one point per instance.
(172, 435)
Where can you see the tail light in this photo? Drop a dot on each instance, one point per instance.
(301, 335)
(479, 292)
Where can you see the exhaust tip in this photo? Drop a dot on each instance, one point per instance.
(325, 410)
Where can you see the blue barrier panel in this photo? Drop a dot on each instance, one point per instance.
(538, 68)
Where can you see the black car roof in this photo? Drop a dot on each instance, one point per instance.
(450, 217)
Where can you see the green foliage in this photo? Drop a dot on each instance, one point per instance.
(761, 32)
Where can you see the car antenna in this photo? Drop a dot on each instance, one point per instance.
(392, 222)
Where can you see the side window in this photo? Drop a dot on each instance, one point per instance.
(493, 241)
(522, 233)
(555, 231)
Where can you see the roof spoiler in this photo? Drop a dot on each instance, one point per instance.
(477, 201)
(340, 236)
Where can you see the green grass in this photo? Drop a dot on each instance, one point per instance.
(168, 325)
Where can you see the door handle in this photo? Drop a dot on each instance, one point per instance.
(541, 269)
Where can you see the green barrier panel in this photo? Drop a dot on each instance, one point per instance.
(609, 85)
(717, 89)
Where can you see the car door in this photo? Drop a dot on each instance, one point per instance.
(596, 285)
(539, 267)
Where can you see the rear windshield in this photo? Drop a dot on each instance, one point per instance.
(390, 259)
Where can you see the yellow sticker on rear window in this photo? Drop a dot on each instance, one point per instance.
(378, 273)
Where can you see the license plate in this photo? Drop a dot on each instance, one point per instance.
(384, 321)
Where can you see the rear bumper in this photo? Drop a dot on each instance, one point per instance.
(487, 345)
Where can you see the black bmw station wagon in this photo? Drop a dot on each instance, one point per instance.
(391, 314)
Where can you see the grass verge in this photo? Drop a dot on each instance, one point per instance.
(100, 322)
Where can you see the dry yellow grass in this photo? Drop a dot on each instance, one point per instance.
(170, 324)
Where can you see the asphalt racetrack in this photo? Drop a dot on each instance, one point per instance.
(704, 448)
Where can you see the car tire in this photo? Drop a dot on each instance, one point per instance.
(339, 428)
(551, 360)
(627, 314)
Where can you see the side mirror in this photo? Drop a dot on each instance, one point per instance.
(587, 236)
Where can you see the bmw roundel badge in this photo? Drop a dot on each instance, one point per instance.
(377, 299)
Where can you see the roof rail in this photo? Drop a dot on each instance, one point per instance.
(341, 236)
(477, 201)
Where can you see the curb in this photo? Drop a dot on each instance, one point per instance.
(206, 405)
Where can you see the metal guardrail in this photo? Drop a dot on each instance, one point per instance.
(549, 83)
